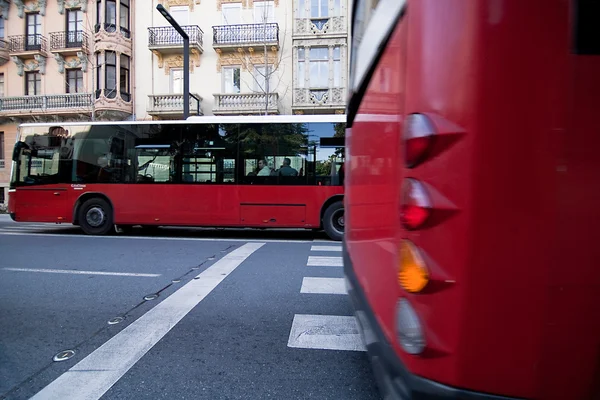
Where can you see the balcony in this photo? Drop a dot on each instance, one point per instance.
(246, 103)
(4, 57)
(170, 106)
(51, 105)
(232, 37)
(69, 43)
(165, 40)
(324, 99)
(28, 46)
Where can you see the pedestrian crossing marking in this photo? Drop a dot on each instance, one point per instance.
(326, 248)
(319, 261)
(325, 332)
(323, 285)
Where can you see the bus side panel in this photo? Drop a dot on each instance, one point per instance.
(46, 203)
(571, 340)
(372, 184)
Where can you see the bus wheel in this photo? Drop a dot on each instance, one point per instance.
(95, 217)
(333, 221)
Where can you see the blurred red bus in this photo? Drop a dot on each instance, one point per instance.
(473, 196)
(258, 172)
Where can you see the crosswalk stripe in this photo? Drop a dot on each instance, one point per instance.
(318, 261)
(323, 285)
(326, 248)
(326, 332)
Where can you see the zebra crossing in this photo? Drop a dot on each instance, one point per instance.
(325, 332)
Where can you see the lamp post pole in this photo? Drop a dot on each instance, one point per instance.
(186, 59)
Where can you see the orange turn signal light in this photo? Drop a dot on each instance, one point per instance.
(413, 275)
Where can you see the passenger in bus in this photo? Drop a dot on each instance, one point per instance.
(286, 169)
(263, 168)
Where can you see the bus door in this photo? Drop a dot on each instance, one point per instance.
(37, 174)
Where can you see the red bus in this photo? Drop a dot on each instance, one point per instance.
(472, 197)
(259, 172)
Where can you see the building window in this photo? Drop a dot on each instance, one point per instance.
(110, 74)
(33, 83)
(1, 28)
(337, 8)
(110, 18)
(34, 31)
(98, 15)
(124, 78)
(231, 79)
(301, 11)
(181, 14)
(2, 152)
(74, 81)
(176, 86)
(74, 28)
(1, 85)
(319, 67)
(319, 8)
(124, 18)
(99, 62)
(301, 67)
(337, 66)
(231, 13)
(264, 11)
(262, 76)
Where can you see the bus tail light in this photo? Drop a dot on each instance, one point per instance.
(415, 204)
(413, 275)
(408, 328)
(417, 135)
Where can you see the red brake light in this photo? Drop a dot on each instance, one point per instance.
(415, 205)
(418, 134)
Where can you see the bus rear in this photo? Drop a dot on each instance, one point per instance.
(472, 197)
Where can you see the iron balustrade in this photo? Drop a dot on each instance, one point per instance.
(69, 40)
(21, 43)
(73, 101)
(168, 36)
(246, 34)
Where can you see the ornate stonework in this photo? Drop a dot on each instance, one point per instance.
(37, 64)
(72, 62)
(4, 7)
(189, 3)
(30, 6)
(112, 41)
(247, 60)
(69, 4)
(245, 3)
(176, 61)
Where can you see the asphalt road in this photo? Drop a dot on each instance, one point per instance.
(201, 314)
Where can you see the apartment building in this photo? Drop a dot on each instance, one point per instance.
(62, 60)
(246, 57)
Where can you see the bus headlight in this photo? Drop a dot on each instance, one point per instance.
(408, 328)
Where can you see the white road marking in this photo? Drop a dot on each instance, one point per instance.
(326, 332)
(98, 372)
(326, 248)
(78, 272)
(323, 285)
(317, 261)
(121, 237)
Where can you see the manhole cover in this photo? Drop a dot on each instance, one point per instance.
(116, 320)
(64, 355)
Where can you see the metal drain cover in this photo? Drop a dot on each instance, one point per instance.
(63, 355)
(151, 297)
(116, 320)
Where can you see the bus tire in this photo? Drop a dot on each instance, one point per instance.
(96, 217)
(333, 221)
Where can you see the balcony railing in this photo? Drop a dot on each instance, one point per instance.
(69, 41)
(333, 98)
(166, 36)
(23, 43)
(75, 102)
(172, 104)
(246, 34)
(246, 103)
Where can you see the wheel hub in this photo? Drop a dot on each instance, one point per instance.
(95, 217)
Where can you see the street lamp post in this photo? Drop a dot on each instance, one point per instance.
(186, 59)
